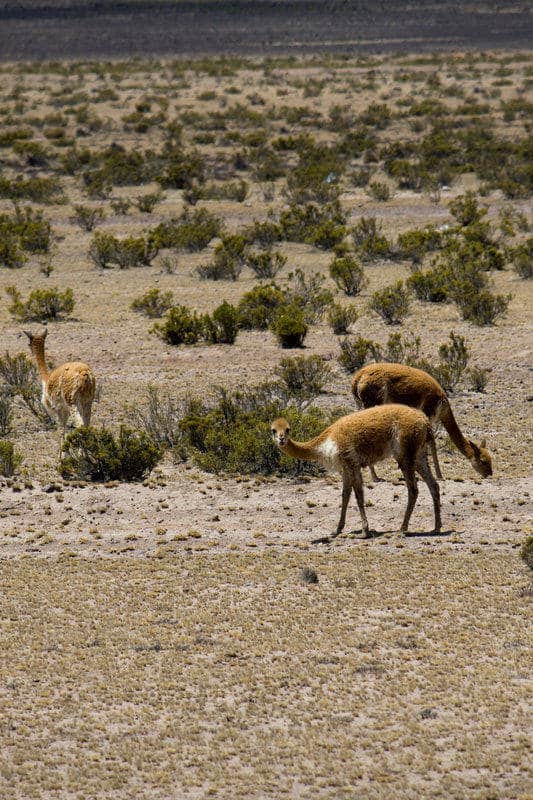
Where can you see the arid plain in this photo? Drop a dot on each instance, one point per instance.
(157, 638)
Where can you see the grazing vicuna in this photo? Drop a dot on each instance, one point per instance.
(377, 384)
(362, 439)
(67, 389)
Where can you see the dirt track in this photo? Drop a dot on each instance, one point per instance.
(60, 29)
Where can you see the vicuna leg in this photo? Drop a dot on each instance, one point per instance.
(84, 413)
(357, 483)
(346, 492)
(373, 474)
(408, 472)
(425, 471)
(435, 459)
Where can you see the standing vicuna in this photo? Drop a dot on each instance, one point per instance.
(377, 384)
(364, 438)
(67, 389)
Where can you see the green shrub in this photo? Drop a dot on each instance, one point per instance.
(120, 205)
(478, 378)
(266, 264)
(134, 251)
(229, 190)
(28, 228)
(258, 307)
(264, 234)
(522, 258)
(453, 361)
(96, 455)
(192, 231)
(154, 303)
(303, 377)
(391, 303)
(466, 210)
(88, 218)
(34, 153)
(41, 305)
(430, 286)
(9, 458)
(526, 552)
(355, 353)
(348, 274)
(482, 307)
(401, 349)
(11, 254)
(316, 176)
(182, 168)
(229, 259)
(222, 327)
(180, 326)
(308, 294)
(6, 410)
(414, 244)
(147, 202)
(322, 226)
(21, 379)
(289, 326)
(341, 317)
(369, 241)
(233, 434)
(379, 191)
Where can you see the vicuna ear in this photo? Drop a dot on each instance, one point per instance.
(45, 332)
(483, 443)
(28, 334)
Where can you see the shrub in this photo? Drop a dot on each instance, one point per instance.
(154, 303)
(369, 241)
(233, 434)
(9, 458)
(180, 326)
(160, 419)
(134, 251)
(322, 226)
(453, 361)
(316, 176)
(379, 191)
(28, 229)
(192, 231)
(21, 379)
(430, 286)
(228, 261)
(348, 274)
(120, 205)
(309, 294)
(6, 410)
(258, 307)
(222, 327)
(466, 210)
(11, 254)
(289, 326)
(482, 307)
(303, 376)
(181, 168)
(355, 352)
(478, 378)
(522, 258)
(40, 190)
(402, 349)
(87, 218)
(526, 552)
(147, 202)
(414, 244)
(266, 264)
(391, 303)
(341, 317)
(41, 305)
(264, 234)
(96, 455)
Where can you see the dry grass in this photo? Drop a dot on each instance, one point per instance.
(224, 676)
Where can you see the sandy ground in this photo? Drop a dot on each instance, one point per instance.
(156, 639)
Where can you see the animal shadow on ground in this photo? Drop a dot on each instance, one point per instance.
(372, 534)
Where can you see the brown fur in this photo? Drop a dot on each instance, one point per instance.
(69, 388)
(362, 439)
(376, 384)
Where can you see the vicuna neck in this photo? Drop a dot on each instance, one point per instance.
(303, 450)
(37, 349)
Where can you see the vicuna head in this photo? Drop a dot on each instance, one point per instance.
(36, 339)
(280, 430)
(481, 459)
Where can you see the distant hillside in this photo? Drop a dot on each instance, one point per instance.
(57, 29)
